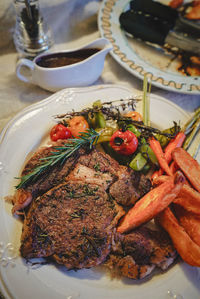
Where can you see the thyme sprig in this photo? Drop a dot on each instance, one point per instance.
(60, 154)
(110, 109)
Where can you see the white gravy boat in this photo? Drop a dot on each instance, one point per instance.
(82, 73)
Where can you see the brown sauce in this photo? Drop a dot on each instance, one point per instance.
(63, 59)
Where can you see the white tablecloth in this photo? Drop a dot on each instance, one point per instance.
(73, 23)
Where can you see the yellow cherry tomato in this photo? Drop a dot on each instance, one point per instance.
(77, 125)
(134, 115)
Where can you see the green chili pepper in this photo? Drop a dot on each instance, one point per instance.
(148, 153)
(97, 103)
(146, 168)
(133, 129)
(105, 134)
(138, 162)
(100, 121)
(164, 140)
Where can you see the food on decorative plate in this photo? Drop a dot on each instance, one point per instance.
(172, 28)
(90, 197)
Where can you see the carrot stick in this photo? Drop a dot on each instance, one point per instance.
(155, 175)
(174, 143)
(188, 165)
(190, 222)
(173, 167)
(156, 147)
(186, 247)
(189, 199)
(151, 204)
(160, 179)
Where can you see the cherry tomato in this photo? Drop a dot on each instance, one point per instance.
(175, 3)
(134, 115)
(124, 142)
(59, 131)
(77, 125)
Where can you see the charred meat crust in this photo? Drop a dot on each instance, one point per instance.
(73, 223)
(129, 187)
(136, 254)
(51, 178)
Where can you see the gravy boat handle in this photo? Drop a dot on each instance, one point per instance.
(23, 62)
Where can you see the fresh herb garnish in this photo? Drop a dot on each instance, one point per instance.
(60, 155)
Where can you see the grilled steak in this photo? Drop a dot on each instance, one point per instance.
(73, 219)
(138, 253)
(127, 186)
(51, 178)
(73, 223)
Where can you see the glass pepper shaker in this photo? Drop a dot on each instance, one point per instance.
(31, 35)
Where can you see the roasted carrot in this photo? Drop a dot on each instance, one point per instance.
(155, 175)
(160, 179)
(173, 167)
(188, 165)
(151, 204)
(190, 222)
(174, 143)
(189, 199)
(185, 246)
(156, 147)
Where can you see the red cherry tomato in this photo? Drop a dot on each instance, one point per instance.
(124, 143)
(59, 131)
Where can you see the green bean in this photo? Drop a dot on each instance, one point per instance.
(138, 162)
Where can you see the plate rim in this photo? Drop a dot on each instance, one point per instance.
(73, 90)
(107, 8)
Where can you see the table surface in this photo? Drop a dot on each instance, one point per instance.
(74, 23)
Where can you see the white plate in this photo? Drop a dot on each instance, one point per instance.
(137, 57)
(25, 133)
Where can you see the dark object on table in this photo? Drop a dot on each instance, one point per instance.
(159, 24)
(30, 18)
(31, 35)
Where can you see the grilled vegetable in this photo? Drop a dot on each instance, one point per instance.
(156, 147)
(60, 131)
(186, 247)
(78, 125)
(124, 143)
(138, 162)
(188, 165)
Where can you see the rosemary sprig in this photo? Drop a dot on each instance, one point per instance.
(60, 155)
